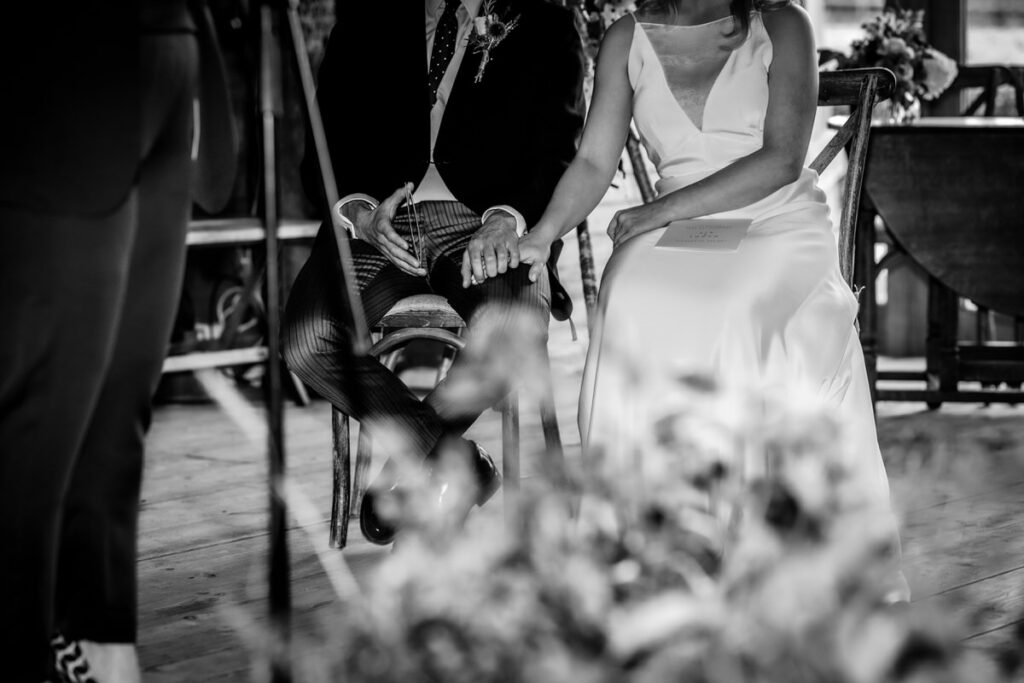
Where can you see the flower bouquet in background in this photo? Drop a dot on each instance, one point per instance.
(896, 41)
(317, 19)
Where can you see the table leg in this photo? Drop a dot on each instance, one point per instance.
(941, 342)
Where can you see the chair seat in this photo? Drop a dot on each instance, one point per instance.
(422, 310)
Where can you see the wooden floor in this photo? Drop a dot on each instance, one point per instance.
(203, 540)
(957, 477)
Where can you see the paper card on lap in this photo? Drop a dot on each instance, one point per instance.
(705, 234)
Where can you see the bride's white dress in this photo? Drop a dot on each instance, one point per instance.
(776, 311)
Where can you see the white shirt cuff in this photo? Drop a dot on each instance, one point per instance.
(520, 221)
(348, 199)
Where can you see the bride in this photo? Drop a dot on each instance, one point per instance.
(723, 95)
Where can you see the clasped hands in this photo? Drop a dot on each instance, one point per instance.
(535, 249)
(495, 248)
(490, 252)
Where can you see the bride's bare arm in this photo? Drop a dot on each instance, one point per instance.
(587, 179)
(792, 101)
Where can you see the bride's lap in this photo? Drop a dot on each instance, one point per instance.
(654, 295)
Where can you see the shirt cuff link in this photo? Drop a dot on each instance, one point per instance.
(348, 199)
(520, 221)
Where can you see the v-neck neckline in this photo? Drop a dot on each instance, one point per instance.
(661, 65)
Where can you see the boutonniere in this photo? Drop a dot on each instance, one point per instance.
(488, 32)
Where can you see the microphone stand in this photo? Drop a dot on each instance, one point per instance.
(271, 110)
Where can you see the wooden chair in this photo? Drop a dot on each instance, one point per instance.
(430, 317)
(861, 90)
(979, 86)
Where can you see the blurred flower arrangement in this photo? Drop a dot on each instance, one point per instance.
(737, 549)
(593, 17)
(317, 19)
(896, 40)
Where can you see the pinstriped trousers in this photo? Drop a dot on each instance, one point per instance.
(316, 342)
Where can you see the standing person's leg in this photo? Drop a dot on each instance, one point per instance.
(62, 280)
(96, 588)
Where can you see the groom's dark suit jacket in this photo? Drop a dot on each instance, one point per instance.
(504, 140)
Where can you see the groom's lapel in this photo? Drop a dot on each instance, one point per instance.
(465, 86)
(468, 67)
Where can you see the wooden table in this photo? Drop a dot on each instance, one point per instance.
(951, 193)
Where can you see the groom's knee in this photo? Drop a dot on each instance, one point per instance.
(303, 345)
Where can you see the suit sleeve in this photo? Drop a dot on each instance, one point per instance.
(557, 113)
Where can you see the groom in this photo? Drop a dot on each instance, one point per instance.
(448, 131)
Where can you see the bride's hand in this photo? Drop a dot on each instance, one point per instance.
(636, 220)
(534, 250)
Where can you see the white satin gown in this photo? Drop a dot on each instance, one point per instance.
(775, 312)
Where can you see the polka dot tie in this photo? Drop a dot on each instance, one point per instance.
(444, 47)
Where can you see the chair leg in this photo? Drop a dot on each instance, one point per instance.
(1018, 334)
(364, 454)
(985, 332)
(447, 359)
(555, 460)
(301, 395)
(588, 272)
(941, 348)
(980, 329)
(510, 451)
(341, 492)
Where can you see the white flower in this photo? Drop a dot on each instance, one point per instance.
(939, 73)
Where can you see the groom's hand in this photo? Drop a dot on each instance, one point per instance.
(375, 227)
(492, 250)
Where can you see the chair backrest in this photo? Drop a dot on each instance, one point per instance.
(987, 79)
(1017, 74)
(859, 89)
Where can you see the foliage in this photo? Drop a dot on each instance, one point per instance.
(593, 17)
(896, 41)
(317, 19)
(727, 544)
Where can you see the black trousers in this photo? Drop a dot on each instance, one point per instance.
(316, 341)
(86, 305)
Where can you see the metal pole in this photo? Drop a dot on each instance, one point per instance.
(272, 107)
